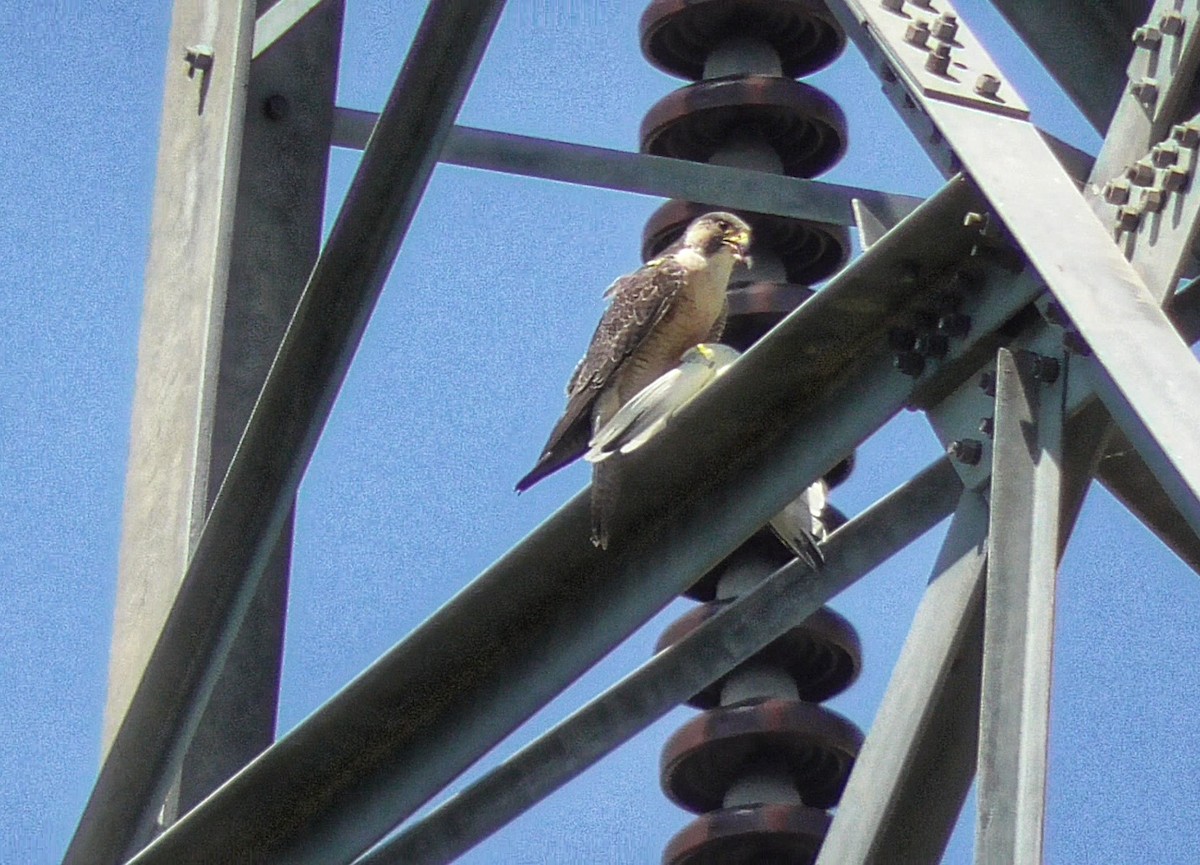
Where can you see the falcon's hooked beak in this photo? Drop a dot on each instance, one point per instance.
(739, 242)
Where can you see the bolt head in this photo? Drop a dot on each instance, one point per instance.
(917, 34)
(1147, 37)
(987, 383)
(945, 27)
(1129, 217)
(1164, 154)
(1152, 200)
(954, 324)
(966, 451)
(1174, 178)
(1141, 173)
(987, 85)
(1146, 90)
(1116, 191)
(1172, 23)
(1187, 134)
(987, 426)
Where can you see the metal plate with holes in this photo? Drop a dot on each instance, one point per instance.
(939, 54)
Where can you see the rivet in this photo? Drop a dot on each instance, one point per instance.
(1147, 37)
(1171, 23)
(939, 60)
(945, 27)
(917, 34)
(966, 451)
(987, 85)
(1116, 191)
(1141, 173)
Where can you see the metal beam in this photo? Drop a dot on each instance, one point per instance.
(1018, 635)
(738, 188)
(1150, 393)
(790, 595)
(1083, 43)
(916, 765)
(255, 499)
(278, 20)
(818, 384)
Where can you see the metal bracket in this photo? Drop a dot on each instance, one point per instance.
(939, 55)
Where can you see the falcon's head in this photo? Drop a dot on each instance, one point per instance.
(711, 231)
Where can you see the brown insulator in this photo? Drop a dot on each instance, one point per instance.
(678, 35)
(814, 746)
(803, 125)
(762, 543)
(822, 655)
(765, 834)
(756, 307)
(809, 251)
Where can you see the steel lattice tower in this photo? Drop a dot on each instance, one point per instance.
(1038, 308)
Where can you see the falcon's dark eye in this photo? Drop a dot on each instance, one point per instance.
(723, 224)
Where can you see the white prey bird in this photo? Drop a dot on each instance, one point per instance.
(798, 525)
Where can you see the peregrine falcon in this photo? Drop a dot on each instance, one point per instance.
(799, 525)
(655, 314)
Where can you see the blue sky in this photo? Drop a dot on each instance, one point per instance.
(458, 379)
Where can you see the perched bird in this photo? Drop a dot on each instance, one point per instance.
(800, 525)
(655, 314)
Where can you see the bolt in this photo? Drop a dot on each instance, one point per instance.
(945, 27)
(917, 34)
(892, 5)
(1175, 179)
(987, 426)
(1043, 369)
(1187, 134)
(1152, 200)
(275, 106)
(987, 85)
(1171, 23)
(933, 345)
(1129, 218)
(1141, 173)
(954, 324)
(909, 363)
(987, 383)
(901, 338)
(198, 57)
(975, 219)
(939, 61)
(1116, 191)
(1146, 90)
(1147, 37)
(966, 451)
(1164, 154)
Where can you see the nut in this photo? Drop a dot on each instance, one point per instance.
(1116, 191)
(917, 34)
(1141, 173)
(987, 85)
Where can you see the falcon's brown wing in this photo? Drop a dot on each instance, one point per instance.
(639, 302)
